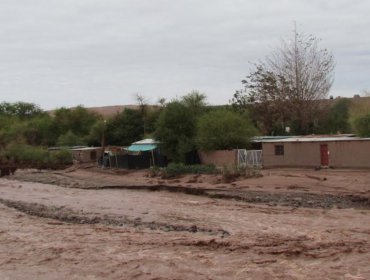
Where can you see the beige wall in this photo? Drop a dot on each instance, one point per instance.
(348, 154)
(351, 154)
(85, 155)
(219, 158)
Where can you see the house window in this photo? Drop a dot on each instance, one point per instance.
(279, 150)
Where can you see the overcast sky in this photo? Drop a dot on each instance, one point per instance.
(69, 52)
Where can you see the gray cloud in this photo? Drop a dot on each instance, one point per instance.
(64, 53)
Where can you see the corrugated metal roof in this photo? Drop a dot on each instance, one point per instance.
(258, 139)
(316, 139)
(86, 148)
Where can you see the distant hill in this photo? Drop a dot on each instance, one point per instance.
(110, 111)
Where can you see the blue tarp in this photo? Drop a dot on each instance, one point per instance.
(141, 147)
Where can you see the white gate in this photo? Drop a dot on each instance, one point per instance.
(250, 158)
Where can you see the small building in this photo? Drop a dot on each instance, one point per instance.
(336, 151)
(86, 154)
(139, 155)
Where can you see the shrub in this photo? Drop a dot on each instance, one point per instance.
(362, 125)
(177, 169)
(175, 129)
(70, 139)
(224, 130)
(37, 157)
(62, 157)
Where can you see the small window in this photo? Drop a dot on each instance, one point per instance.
(279, 150)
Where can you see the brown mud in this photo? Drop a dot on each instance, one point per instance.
(95, 224)
(65, 214)
(288, 199)
(273, 199)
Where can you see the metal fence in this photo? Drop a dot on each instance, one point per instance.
(250, 158)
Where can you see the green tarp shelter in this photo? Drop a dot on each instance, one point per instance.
(143, 146)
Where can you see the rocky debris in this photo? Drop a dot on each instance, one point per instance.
(69, 216)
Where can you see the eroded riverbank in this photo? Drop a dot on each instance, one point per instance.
(119, 228)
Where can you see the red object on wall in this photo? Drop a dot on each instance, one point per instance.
(324, 152)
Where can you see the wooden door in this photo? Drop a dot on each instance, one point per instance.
(324, 152)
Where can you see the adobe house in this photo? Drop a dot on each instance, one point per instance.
(86, 154)
(339, 152)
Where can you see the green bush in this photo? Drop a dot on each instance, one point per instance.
(175, 129)
(36, 157)
(362, 125)
(177, 169)
(224, 130)
(70, 139)
(61, 157)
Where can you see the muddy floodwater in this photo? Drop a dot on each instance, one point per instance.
(95, 224)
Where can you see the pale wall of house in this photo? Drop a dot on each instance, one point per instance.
(295, 155)
(219, 158)
(84, 156)
(350, 154)
(346, 154)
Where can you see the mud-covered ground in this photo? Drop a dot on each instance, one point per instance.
(97, 224)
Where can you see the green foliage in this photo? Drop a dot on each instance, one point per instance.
(195, 102)
(78, 120)
(70, 139)
(359, 107)
(11, 130)
(177, 169)
(20, 109)
(224, 130)
(337, 119)
(36, 157)
(175, 130)
(125, 128)
(61, 157)
(97, 133)
(151, 120)
(239, 102)
(362, 125)
(40, 131)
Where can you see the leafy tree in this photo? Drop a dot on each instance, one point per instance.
(176, 130)
(239, 102)
(287, 87)
(224, 130)
(70, 139)
(359, 107)
(11, 130)
(142, 101)
(337, 119)
(20, 109)
(362, 125)
(78, 120)
(151, 120)
(40, 131)
(195, 102)
(125, 128)
(97, 134)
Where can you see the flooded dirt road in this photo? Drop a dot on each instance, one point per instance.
(80, 230)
